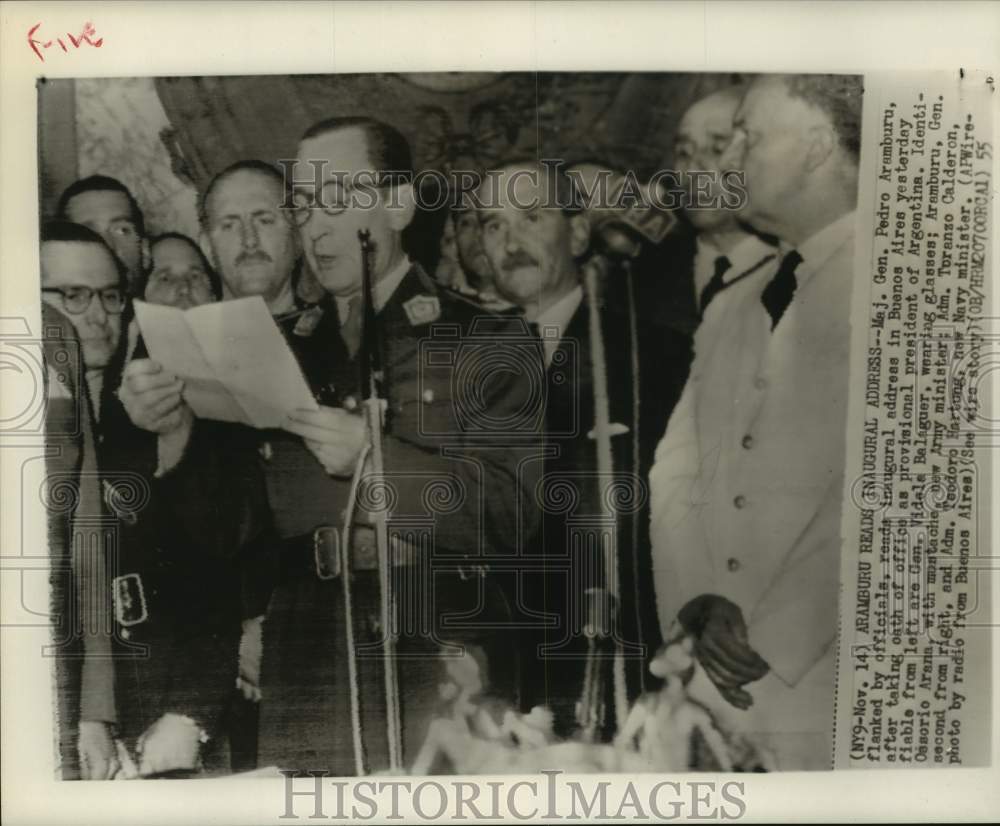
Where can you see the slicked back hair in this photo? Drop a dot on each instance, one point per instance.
(387, 148)
(568, 195)
(101, 183)
(250, 165)
(68, 232)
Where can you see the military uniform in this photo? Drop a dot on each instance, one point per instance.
(456, 430)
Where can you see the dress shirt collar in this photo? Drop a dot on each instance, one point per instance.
(554, 320)
(382, 289)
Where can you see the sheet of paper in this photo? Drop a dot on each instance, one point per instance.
(233, 358)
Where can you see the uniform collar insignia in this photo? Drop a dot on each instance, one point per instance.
(306, 324)
(422, 309)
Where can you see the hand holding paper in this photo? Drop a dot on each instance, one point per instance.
(231, 357)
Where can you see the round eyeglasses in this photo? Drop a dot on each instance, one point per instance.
(76, 300)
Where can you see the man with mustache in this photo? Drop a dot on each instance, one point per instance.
(453, 453)
(536, 248)
(255, 251)
(246, 237)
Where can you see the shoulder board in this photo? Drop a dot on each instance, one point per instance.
(302, 322)
(472, 302)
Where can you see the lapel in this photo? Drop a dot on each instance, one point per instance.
(575, 398)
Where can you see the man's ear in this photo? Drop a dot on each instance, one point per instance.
(821, 142)
(400, 206)
(579, 235)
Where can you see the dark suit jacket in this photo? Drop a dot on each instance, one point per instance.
(84, 675)
(181, 535)
(663, 279)
(641, 401)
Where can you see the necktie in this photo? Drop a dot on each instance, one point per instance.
(350, 329)
(778, 293)
(715, 283)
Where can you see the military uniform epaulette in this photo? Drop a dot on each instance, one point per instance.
(474, 303)
(301, 321)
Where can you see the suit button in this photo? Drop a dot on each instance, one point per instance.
(747, 441)
(266, 451)
(740, 501)
(760, 382)
(733, 564)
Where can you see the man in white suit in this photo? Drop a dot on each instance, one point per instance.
(748, 479)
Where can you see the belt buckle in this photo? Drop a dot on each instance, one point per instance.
(129, 598)
(326, 552)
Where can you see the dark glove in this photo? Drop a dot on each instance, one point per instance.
(722, 646)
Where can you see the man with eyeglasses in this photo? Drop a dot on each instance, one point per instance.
(83, 280)
(106, 206)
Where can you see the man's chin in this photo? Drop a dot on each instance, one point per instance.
(710, 219)
(338, 279)
(256, 282)
(97, 355)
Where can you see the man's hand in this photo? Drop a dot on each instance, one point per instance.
(171, 743)
(152, 398)
(251, 651)
(98, 757)
(334, 436)
(722, 646)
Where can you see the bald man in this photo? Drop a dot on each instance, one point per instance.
(747, 482)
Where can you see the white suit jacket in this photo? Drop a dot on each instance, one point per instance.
(747, 482)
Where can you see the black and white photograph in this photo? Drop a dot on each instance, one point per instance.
(627, 424)
(587, 412)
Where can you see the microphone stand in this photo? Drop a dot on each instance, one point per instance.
(374, 406)
(604, 601)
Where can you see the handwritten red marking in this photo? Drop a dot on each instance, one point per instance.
(76, 41)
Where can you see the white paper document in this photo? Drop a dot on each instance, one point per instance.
(235, 364)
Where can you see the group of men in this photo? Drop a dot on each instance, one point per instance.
(257, 556)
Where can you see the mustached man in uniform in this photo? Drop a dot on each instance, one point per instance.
(255, 251)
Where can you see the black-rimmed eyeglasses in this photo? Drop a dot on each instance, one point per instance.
(76, 300)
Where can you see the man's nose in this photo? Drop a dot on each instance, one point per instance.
(96, 314)
(732, 156)
(510, 241)
(251, 238)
